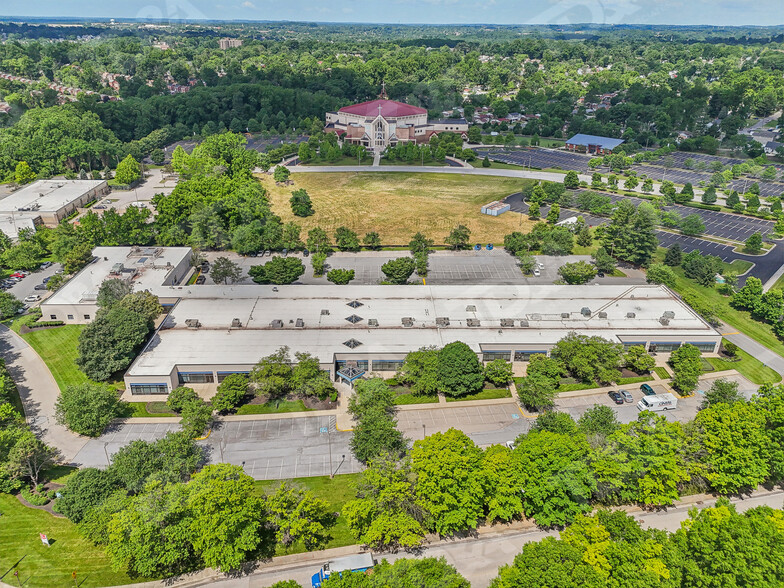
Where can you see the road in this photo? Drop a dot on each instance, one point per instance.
(478, 559)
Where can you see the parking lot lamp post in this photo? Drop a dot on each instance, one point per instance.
(424, 434)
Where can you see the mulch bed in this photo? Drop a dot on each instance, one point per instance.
(627, 373)
(48, 506)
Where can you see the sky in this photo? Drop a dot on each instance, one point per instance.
(674, 12)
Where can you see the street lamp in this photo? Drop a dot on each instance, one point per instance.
(423, 431)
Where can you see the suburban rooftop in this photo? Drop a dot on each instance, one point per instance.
(47, 195)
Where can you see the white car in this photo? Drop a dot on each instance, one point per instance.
(32, 298)
(537, 273)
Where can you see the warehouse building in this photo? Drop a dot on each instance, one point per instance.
(213, 331)
(50, 201)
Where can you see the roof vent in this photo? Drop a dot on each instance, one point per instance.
(507, 322)
(299, 323)
(354, 319)
(192, 323)
(276, 324)
(470, 308)
(565, 315)
(602, 314)
(523, 323)
(536, 316)
(237, 323)
(354, 304)
(585, 311)
(472, 322)
(324, 312)
(631, 315)
(372, 322)
(408, 321)
(442, 321)
(668, 314)
(664, 321)
(352, 343)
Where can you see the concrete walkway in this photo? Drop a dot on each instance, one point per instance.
(38, 392)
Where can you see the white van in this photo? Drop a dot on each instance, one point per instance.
(658, 402)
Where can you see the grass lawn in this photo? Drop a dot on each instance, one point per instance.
(148, 409)
(344, 160)
(59, 474)
(273, 407)
(39, 565)
(498, 165)
(634, 380)
(662, 372)
(409, 398)
(430, 163)
(487, 394)
(336, 492)
(397, 204)
(748, 366)
(58, 348)
(778, 284)
(570, 385)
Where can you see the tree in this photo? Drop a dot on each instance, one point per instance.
(709, 195)
(486, 161)
(272, 375)
(346, 239)
(281, 174)
(279, 270)
(372, 241)
(459, 370)
(596, 181)
(499, 372)
(458, 237)
(598, 421)
(753, 244)
(733, 199)
(420, 244)
(588, 358)
(340, 276)
(398, 270)
(86, 489)
(556, 480)
(195, 417)
(110, 343)
(179, 397)
(420, 371)
(87, 408)
(533, 210)
(296, 515)
(603, 261)
(673, 256)
(112, 291)
(143, 303)
(735, 446)
(537, 391)
(579, 272)
(571, 180)
(686, 194)
(555, 422)
(300, 203)
(659, 273)
(451, 481)
(9, 305)
(749, 296)
(318, 241)
(231, 392)
(526, 262)
(318, 261)
(631, 233)
(386, 514)
(375, 432)
(692, 225)
(687, 367)
(637, 359)
(427, 572)
(24, 174)
(225, 271)
(553, 214)
(722, 390)
(128, 171)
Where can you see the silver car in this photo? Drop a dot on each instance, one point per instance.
(626, 395)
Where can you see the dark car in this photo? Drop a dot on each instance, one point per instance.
(40, 287)
(205, 269)
(201, 280)
(647, 390)
(305, 253)
(600, 275)
(616, 398)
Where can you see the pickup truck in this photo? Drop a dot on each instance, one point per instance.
(351, 563)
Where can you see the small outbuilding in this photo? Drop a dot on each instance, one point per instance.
(496, 208)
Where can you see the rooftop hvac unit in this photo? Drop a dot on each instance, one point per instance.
(276, 324)
(192, 323)
(324, 312)
(631, 315)
(372, 322)
(236, 323)
(299, 323)
(564, 315)
(407, 321)
(523, 323)
(602, 314)
(442, 321)
(668, 314)
(664, 321)
(470, 308)
(536, 316)
(585, 311)
(507, 322)
(472, 322)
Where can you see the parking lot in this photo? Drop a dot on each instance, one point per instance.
(725, 252)
(26, 286)
(538, 158)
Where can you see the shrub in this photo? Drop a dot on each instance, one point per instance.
(340, 277)
(88, 408)
(179, 397)
(231, 391)
(196, 417)
(34, 498)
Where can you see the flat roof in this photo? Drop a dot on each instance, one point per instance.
(153, 265)
(48, 195)
(586, 140)
(12, 224)
(321, 320)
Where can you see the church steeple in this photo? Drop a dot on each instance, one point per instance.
(383, 94)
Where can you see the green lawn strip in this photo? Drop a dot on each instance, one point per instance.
(344, 160)
(39, 565)
(634, 380)
(336, 491)
(58, 348)
(274, 407)
(749, 367)
(706, 365)
(489, 394)
(778, 284)
(616, 273)
(570, 385)
(662, 372)
(430, 163)
(409, 398)
(148, 409)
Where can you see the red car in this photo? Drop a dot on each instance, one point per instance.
(17, 275)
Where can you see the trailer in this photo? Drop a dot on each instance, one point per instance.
(360, 562)
(658, 402)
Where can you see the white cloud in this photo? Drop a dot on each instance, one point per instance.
(248, 4)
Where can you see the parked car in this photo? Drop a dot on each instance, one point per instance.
(46, 264)
(200, 280)
(626, 395)
(600, 275)
(46, 279)
(616, 398)
(537, 273)
(19, 275)
(647, 390)
(40, 287)
(305, 253)
(205, 269)
(32, 298)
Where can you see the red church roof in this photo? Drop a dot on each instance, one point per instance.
(389, 109)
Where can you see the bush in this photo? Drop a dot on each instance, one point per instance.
(34, 498)
(318, 260)
(86, 489)
(88, 408)
(499, 372)
(196, 417)
(730, 348)
(181, 396)
(41, 324)
(420, 259)
(340, 277)
(231, 391)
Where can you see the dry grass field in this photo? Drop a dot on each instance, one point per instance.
(397, 205)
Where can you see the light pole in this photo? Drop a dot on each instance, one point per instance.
(424, 435)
